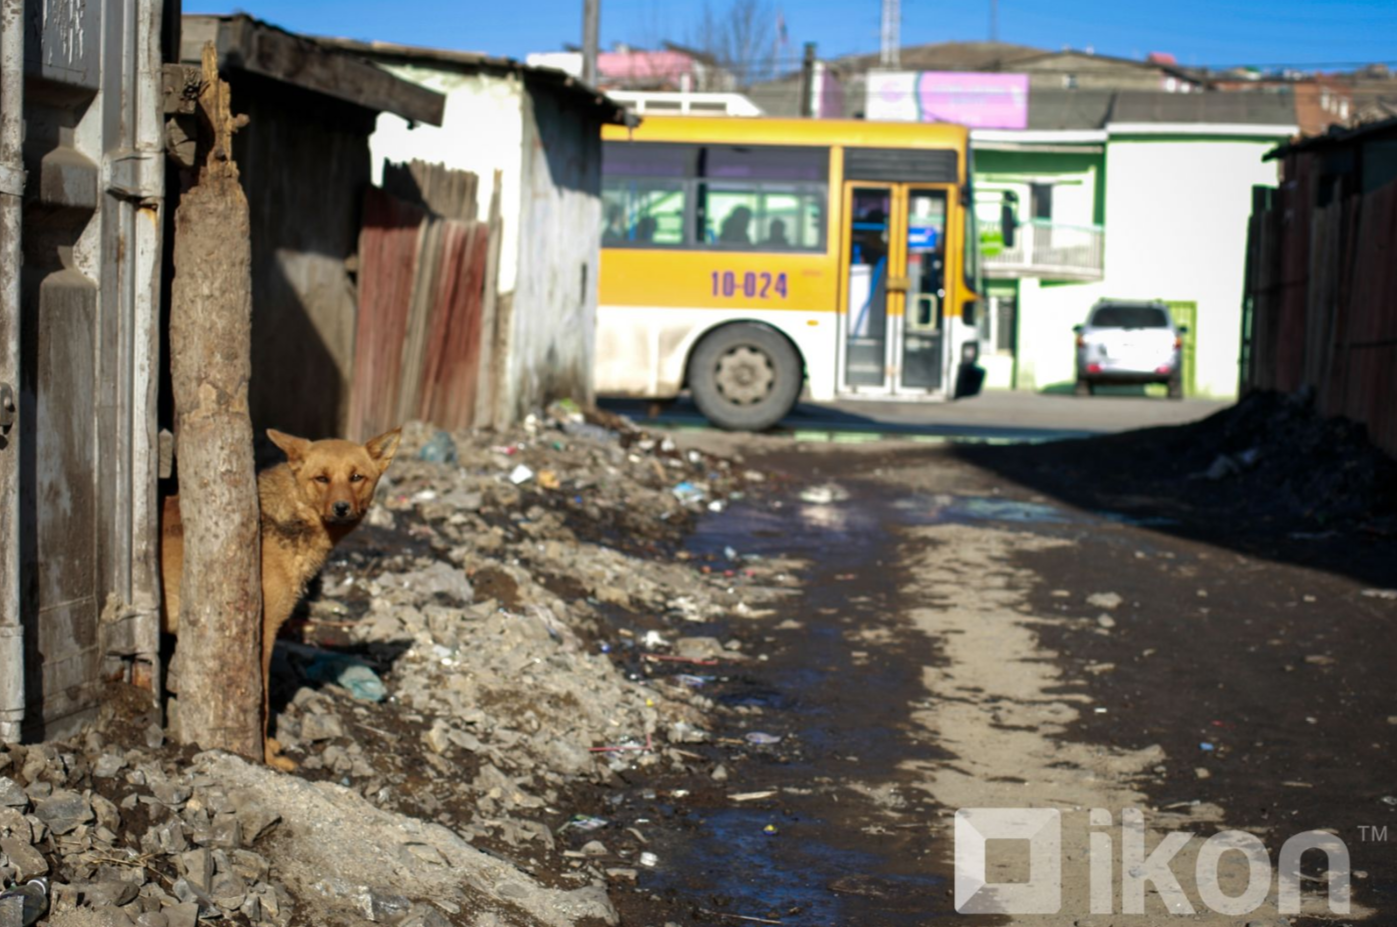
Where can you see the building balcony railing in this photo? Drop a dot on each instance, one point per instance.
(1043, 248)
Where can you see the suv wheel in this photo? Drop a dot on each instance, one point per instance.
(1084, 388)
(1176, 388)
(745, 377)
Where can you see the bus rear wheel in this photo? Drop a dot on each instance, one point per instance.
(745, 377)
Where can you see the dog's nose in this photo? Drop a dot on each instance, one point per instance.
(341, 509)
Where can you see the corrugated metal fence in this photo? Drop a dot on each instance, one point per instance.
(1322, 299)
(427, 289)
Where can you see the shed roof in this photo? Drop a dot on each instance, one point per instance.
(248, 44)
(1336, 137)
(608, 111)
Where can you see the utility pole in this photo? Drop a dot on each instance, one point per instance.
(807, 81)
(591, 39)
(994, 20)
(891, 34)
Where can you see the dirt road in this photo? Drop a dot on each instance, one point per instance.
(963, 637)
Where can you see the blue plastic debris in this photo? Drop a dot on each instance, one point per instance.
(349, 673)
(440, 449)
(1206, 747)
(687, 492)
(758, 737)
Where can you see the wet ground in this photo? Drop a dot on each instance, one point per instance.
(969, 635)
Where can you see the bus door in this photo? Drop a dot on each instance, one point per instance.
(893, 321)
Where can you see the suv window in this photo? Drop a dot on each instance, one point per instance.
(1129, 317)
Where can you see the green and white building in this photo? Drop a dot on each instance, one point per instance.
(1126, 195)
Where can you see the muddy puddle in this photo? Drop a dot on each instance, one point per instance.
(827, 818)
(828, 825)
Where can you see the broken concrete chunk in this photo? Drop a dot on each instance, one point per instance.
(11, 795)
(317, 727)
(28, 862)
(63, 811)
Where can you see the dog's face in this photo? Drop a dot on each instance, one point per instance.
(338, 478)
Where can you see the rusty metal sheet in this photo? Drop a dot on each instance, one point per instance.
(422, 297)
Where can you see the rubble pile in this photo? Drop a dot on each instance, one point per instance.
(514, 619)
(1272, 459)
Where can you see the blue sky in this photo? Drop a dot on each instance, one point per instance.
(1200, 32)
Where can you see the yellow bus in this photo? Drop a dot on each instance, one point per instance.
(749, 259)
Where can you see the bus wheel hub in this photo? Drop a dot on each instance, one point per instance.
(744, 375)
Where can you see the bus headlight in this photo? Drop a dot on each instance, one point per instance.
(970, 353)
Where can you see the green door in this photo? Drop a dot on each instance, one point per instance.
(1186, 316)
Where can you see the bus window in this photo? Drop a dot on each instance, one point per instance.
(765, 198)
(643, 212)
(764, 217)
(645, 193)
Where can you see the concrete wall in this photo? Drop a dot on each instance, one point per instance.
(552, 328)
(1176, 223)
(549, 149)
(482, 132)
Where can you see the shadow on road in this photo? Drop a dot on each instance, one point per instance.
(1268, 477)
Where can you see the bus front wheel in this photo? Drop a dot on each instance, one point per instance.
(745, 377)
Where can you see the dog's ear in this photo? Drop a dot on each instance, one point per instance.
(294, 448)
(382, 448)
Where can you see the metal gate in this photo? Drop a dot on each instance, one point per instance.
(78, 349)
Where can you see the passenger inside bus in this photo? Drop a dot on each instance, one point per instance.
(776, 234)
(615, 231)
(736, 226)
(645, 228)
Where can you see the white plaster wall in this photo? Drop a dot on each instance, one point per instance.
(482, 131)
(1176, 229)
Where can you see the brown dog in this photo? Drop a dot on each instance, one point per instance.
(309, 504)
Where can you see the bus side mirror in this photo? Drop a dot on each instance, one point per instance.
(1008, 224)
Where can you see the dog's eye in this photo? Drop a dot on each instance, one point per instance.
(356, 477)
(322, 478)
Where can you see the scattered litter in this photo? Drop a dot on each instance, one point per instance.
(1390, 594)
(521, 474)
(687, 493)
(24, 904)
(441, 448)
(1206, 747)
(667, 658)
(548, 479)
(1107, 600)
(649, 860)
(694, 682)
(753, 796)
(348, 673)
(770, 830)
(1389, 799)
(762, 738)
(824, 494)
(648, 746)
(584, 823)
(1226, 465)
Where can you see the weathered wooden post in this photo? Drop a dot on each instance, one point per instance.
(220, 678)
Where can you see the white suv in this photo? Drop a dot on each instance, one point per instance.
(1126, 341)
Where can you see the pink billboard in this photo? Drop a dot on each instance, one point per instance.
(978, 100)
